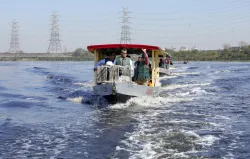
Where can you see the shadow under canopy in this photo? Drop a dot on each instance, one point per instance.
(135, 49)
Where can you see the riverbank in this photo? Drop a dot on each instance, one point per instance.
(45, 59)
(91, 59)
(71, 57)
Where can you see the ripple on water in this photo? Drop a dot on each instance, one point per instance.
(16, 104)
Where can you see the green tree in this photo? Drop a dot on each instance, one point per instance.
(78, 52)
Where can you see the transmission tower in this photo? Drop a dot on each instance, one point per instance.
(125, 34)
(14, 44)
(54, 45)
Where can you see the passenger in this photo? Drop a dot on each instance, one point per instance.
(143, 70)
(136, 64)
(162, 64)
(108, 60)
(123, 60)
(109, 57)
(169, 60)
(150, 69)
(128, 56)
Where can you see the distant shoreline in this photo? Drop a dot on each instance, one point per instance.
(45, 59)
(92, 59)
(89, 57)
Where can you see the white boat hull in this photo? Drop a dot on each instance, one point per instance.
(128, 89)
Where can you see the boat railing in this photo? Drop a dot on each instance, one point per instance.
(113, 73)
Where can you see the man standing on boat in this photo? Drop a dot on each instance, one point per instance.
(123, 60)
(136, 64)
(143, 69)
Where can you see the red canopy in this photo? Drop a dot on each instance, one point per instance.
(91, 48)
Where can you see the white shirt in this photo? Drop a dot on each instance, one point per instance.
(102, 62)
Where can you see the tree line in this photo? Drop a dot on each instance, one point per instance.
(228, 53)
(241, 53)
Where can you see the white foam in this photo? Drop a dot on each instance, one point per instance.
(208, 140)
(215, 124)
(149, 102)
(182, 94)
(217, 72)
(118, 148)
(86, 84)
(222, 117)
(180, 155)
(185, 73)
(167, 77)
(171, 67)
(30, 98)
(141, 143)
(75, 100)
(221, 71)
(198, 91)
(147, 152)
(176, 86)
(27, 145)
(191, 133)
(227, 71)
(229, 155)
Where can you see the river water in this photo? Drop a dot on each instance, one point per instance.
(47, 111)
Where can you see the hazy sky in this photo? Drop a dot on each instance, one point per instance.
(206, 24)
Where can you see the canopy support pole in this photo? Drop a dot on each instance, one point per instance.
(153, 68)
(95, 62)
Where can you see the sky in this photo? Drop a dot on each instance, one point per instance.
(171, 24)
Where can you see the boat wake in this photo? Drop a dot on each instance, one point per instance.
(163, 131)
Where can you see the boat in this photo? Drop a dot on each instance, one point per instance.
(164, 72)
(119, 88)
(186, 62)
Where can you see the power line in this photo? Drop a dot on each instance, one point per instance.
(14, 44)
(197, 28)
(214, 8)
(54, 45)
(199, 25)
(125, 34)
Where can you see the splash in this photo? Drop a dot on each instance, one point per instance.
(149, 102)
(85, 84)
(208, 140)
(167, 77)
(76, 99)
(176, 86)
(185, 73)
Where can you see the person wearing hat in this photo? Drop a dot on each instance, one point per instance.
(143, 71)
